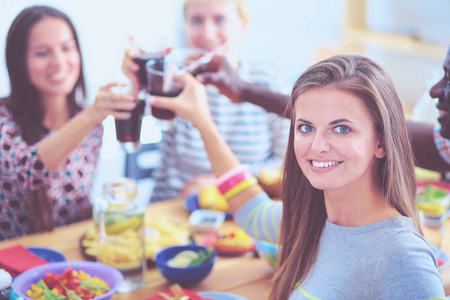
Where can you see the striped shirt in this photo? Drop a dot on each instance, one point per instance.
(257, 137)
(442, 144)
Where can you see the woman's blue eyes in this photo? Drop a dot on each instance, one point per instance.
(305, 128)
(342, 129)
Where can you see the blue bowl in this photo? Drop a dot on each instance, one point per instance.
(187, 276)
(48, 254)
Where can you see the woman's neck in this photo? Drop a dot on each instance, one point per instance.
(56, 112)
(357, 206)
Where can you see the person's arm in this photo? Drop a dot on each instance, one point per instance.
(192, 105)
(254, 211)
(424, 147)
(56, 148)
(221, 74)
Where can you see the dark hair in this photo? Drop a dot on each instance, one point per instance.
(24, 101)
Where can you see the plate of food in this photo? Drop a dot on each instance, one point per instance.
(221, 296)
(160, 232)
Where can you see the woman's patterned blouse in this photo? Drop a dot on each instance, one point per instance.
(21, 170)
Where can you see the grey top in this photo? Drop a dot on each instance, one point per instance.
(385, 260)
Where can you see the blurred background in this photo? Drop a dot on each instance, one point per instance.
(409, 38)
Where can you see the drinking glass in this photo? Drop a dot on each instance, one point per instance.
(128, 132)
(162, 81)
(141, 59)
(122, 232)
(433, 202)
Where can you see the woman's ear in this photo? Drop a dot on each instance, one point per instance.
(380, 152)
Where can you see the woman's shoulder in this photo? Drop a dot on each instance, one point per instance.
(407, 258)
(404, 240)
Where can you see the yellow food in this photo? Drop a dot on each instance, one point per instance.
(160, 233)
(211, 198)
(233, 241)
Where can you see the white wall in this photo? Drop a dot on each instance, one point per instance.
(286, 33)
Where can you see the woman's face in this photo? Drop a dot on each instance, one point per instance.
(441, 91)
(53, 59)
(209, 25)
(335, 143)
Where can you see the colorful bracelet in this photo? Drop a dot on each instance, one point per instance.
(234, 178)
(239, 188)
(235, 181)
(231, 173)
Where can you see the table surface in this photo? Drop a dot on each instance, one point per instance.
(242, 275)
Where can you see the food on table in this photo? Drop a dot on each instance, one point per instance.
(433, 200)
(271, 180)
(424, 174)
(124, 252)
(160, 232)
(211, 198)
(232, 241)
(71, 284)
(190, 258)
(169, 294)
(5, 284)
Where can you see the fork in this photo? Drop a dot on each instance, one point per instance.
(178, 293)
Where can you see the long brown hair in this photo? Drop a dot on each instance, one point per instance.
(304, 211)
(24, 101)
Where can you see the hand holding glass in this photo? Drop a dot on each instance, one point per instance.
(161, 78)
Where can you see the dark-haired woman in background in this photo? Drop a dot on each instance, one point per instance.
(49, 143)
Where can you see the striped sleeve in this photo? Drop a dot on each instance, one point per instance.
(261, 218)
(442, 144)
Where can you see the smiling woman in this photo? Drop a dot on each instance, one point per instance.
(53, 58)
(336, 146)
(49, 142)
(348, 225)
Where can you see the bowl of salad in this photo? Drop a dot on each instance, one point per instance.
(68, 279)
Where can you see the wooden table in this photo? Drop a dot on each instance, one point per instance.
(244, 275)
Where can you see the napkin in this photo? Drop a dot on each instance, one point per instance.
(192, 295)
(17, 259)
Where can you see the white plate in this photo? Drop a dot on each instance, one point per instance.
(440, 254)
(221, 296)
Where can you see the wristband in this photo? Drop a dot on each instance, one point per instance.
(239, 188)
(234, 180)
(231, 173)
